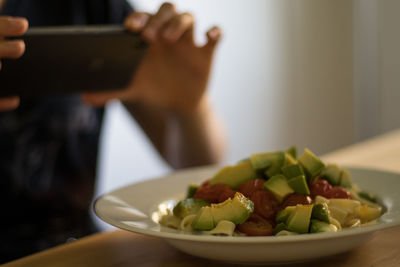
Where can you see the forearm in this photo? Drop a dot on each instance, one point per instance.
(183, 139)
(195, 138)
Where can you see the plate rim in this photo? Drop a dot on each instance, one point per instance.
(370, 229)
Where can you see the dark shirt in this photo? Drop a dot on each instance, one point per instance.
(49, 146)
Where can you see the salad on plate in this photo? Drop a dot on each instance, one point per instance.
(274, 193)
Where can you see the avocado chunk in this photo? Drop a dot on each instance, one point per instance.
(235, 175)
(292, 170)
(292, 151)
(236, 210)
(319, 227)
(331, 173)
(311, 164)
(321, 212)
(279, 159)
(345, 179)
(299, 220)
(261, 161)
(270, 162)
(204, 220)
(299, 185)
(243, 206)
(278, 186)
(189, 206)
(289, 160)
(279, 227)
(283, 215)
(191, 190)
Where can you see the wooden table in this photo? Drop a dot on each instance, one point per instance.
(122, 248)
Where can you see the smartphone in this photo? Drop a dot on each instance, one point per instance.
(73, 59)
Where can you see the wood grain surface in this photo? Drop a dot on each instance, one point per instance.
(123, 248)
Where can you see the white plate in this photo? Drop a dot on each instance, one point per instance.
(137, 208)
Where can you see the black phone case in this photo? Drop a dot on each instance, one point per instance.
(65, 60)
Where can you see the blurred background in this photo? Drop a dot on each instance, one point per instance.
(320, 74)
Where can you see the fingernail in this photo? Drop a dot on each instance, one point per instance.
(214, 33)
(138, 22)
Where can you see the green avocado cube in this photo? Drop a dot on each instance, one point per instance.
(261, 161)
(299, 220)
(279, 227)
(270, 162)
(277, 162)
(292, 151)
(321, 212)
(191, 190)
(292, 170)
(243, 208)
(237, 210)
(283, 215)
(345, 179)
(235, 175)
(320, 227)
(189, 206)
(289, 160)
(311, 164)
(331, 173)
(204, 220)
(222, 211)
(278, 186)
(299, 185)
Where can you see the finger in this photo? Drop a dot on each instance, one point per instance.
(136, 21)
(9, 103)
(177, 26)
(12, 26)
(213, 37)
(11, 49)
(156, 22)
(101, 98)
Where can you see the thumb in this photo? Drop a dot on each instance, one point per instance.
(213, 37)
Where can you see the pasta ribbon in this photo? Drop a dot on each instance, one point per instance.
(186, 223)
(225, 228)
(170, 220)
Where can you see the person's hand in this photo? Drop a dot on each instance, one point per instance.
(11, 26)
(9, 103)
(174, 73)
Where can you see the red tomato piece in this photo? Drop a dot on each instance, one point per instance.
(265, 204)
(214, 193)
(206, 182)
(294, 199)
(225, 194)
(249, 187)
(340, 192)
(320, 187)
(256, 226)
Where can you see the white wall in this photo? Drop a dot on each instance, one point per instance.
(389, 63)
(377, 66)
